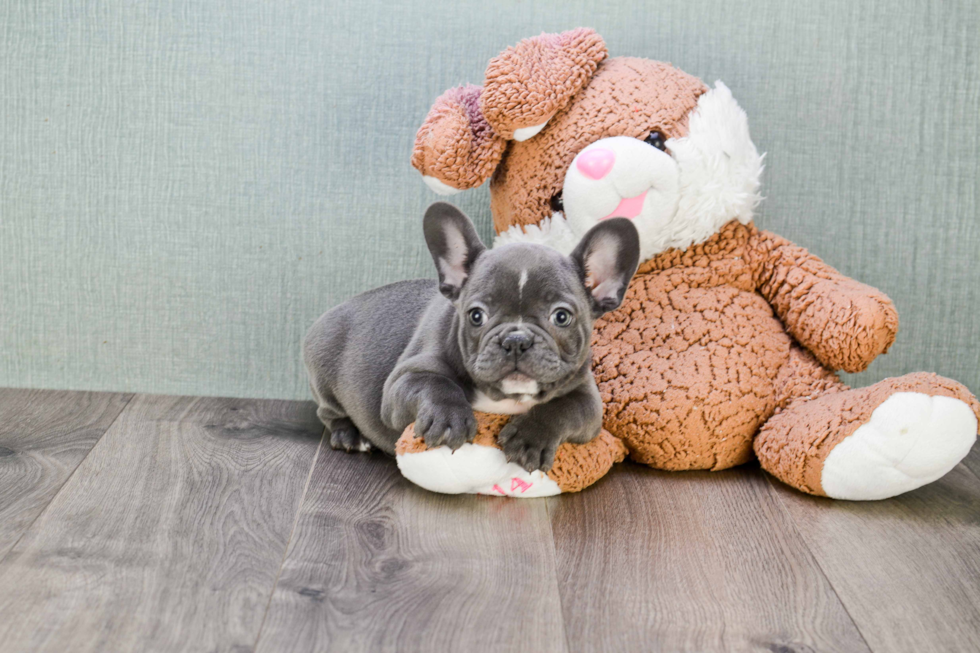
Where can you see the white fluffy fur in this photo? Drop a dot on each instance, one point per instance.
(718, 172)
(553, 232)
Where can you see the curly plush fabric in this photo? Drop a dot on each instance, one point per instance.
(576, 467)
(701, 355)
(845, 323)
(456, 144)
(528, 83)
(687, 366)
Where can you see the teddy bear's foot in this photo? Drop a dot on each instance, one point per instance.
(911, 439)
(872, 443)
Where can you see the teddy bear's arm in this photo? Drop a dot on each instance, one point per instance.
(845, 323)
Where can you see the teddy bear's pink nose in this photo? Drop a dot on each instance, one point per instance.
(596, 163)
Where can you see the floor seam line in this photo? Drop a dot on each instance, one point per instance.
(289, 541)
(816, 561)
(71, 475)
(554, 551)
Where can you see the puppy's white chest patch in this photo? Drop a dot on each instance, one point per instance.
(485, 404)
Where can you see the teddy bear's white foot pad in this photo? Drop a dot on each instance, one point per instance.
(473, 469)
(911, 439)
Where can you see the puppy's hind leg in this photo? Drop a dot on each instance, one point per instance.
(344, 435)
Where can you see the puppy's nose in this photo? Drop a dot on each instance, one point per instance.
(517, 342)
(595, 163)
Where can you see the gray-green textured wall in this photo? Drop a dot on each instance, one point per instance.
(186, 186)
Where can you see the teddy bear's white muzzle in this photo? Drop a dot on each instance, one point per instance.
(621, 176)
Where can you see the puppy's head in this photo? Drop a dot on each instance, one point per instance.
(524, 312)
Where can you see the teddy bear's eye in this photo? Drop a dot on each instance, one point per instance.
(657, 140)
(556, 202)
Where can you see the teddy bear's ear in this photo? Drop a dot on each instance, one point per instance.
(528, 83)
(455, 148)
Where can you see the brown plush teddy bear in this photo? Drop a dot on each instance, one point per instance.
(728, 341)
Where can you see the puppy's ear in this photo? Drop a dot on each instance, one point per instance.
(607, 258)
(454, 245)
(455, 148)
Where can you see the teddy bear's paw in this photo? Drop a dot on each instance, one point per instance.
(910, 440)
(473, 469)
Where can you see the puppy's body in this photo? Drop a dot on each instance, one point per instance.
(351, 350)
(506, 330)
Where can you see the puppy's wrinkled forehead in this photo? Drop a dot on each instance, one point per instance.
(517, 278)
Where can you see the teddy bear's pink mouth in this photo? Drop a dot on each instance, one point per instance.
(629, 207)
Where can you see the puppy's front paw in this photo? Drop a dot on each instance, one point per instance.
(451, 425)
(529, 444)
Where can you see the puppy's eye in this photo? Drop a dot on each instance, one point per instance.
(477, 317)
(556, 202)
(657, 140)
(561, 318)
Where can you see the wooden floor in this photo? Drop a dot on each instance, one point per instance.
(146, 523)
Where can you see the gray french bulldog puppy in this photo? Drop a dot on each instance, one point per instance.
(506, 330)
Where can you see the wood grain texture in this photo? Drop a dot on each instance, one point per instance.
(377, 564)
(44, 435)
(972, 460)
(168, 536)
(694, 561)
(907, 569)
(185, 527)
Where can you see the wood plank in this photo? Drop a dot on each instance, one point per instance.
(692, 561)
(44, 435)
(972, 460)
(378, 564)
(170, 533)
(908, 568)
